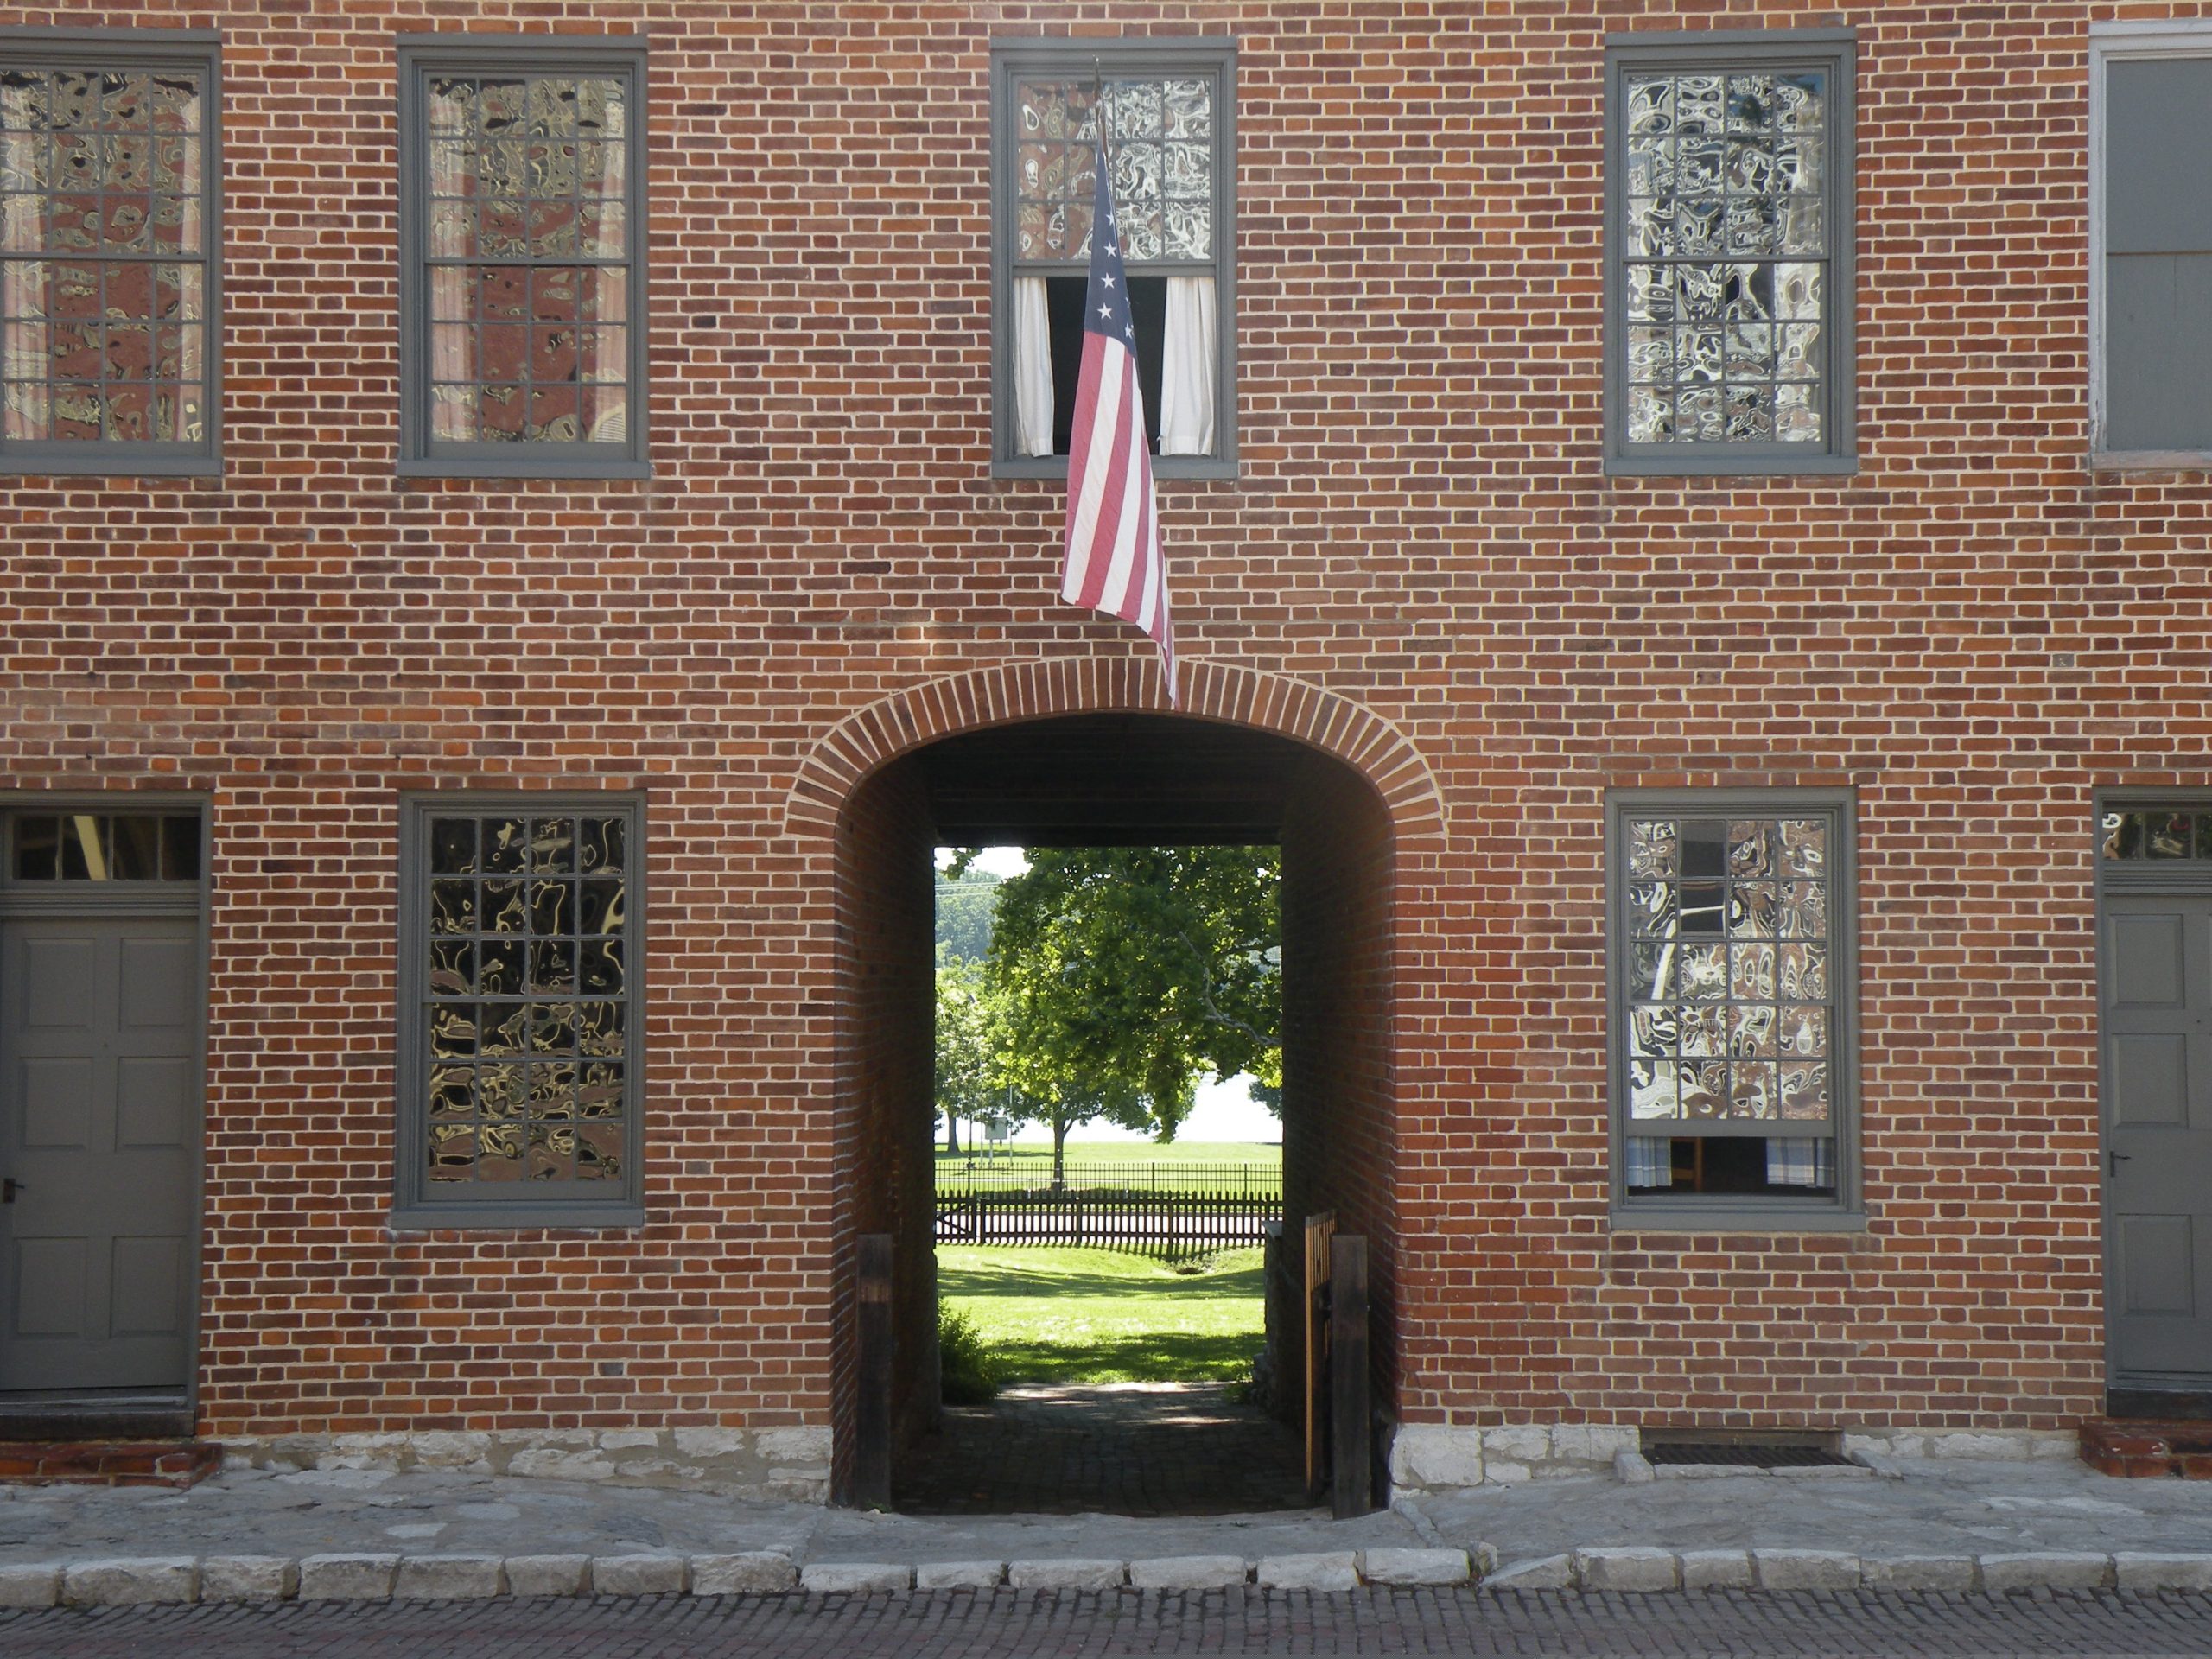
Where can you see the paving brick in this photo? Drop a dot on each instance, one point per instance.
(2049, 1570)
(855, 1578)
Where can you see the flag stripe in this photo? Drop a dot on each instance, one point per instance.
(1114, 559)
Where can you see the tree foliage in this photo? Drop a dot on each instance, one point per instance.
(968, 1040)
(1123, 975)
(965, 901)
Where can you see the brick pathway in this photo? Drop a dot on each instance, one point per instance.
(1007, 1622)
(1142, 1449)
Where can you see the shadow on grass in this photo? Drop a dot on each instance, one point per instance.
(1018, 1281)
(1151, 1356)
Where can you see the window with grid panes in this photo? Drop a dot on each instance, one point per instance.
(1732, 1039)
(524, 347)
(520, 982)
(109, 175)
(1729, 286)
(1166, 110)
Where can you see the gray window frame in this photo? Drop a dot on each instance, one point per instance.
(1142, 57)
(1846, 1211)
(2157, 41)
(106, 49)
(420, 57)
(1835, 52)
(416, 1204)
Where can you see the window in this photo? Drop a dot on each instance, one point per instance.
(520, 1012)
(109, 170)
(1733, 1008)
(522, 317)
(1729, 279)
(112, 847)
(1169, 108)
(2151, 243)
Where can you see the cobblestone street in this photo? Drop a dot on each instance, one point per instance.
(1238, 1621)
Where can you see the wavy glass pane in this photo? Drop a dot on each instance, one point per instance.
(1159, 134)
(525, 996)
(102, 250)
(529, 231)
(1725, 967)
(1725, 236)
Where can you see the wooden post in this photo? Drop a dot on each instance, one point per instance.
(1314, 1311)
(1352, 1480)
(872, 1420)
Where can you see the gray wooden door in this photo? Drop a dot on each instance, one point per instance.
(2157, 1128)
(99, 1127)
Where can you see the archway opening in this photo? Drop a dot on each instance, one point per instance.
(1106, 780)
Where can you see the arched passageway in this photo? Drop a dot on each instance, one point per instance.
(1118, 778)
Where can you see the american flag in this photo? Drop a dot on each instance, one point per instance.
(1114, 563)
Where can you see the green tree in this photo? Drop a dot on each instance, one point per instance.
(964, 905)
(967, 1044)
(1126, 974)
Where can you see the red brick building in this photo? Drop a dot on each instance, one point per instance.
(1687, 523)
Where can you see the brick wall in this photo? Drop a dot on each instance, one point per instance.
(1973, 630)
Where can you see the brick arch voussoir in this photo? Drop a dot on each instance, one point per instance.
(871, 738)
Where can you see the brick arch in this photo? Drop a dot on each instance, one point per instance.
(870, 737)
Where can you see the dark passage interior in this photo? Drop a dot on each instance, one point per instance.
(1097, 780)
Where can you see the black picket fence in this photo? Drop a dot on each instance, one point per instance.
(1029, 1174)
(1159, 1224)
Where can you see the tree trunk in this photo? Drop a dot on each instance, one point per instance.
(952, 1131)
(1060, 1151)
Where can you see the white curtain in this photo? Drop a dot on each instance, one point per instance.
(1032, 368)
(1186, 368)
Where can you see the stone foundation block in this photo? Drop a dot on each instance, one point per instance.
(128, 1581)
(549, 1575)
(2048, 1570)
(449, 1577)
(1187, 1572)
(1416, 1566)
(348, 1578)
(1545, 1573)
(1632, 1469)
(1073, 1574)
(2137, 1570)
(35, 1586)
(1716, 1569)
(754, 1572)
(1326, 1571)
(1806, 1569)
(1629, 1569)
(1958, 1573)
(855, 1577)
(248, 1577)
(959, 1575)
(639, 1575)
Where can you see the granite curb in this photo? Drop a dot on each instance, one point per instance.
(110, 1581)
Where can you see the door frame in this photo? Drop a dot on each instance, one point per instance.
(83, 902)
(2174, 879)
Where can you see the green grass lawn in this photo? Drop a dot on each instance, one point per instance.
(1106, 1316)
(1128, 1151)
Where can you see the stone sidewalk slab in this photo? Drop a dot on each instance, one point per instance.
(370, 1535)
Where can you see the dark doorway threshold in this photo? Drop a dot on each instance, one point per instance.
(2158, 1405)
(1152, 1449)
(96, 1415)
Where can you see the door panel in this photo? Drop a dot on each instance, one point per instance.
(99, 1123)
(2157, 1036)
